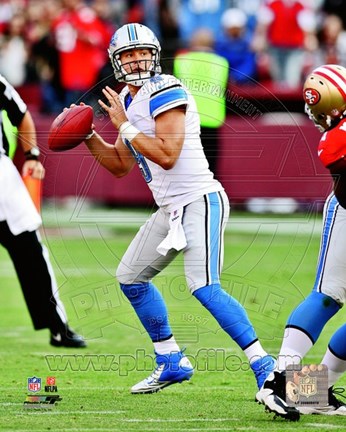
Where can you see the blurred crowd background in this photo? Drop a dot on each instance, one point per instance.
(61, 45)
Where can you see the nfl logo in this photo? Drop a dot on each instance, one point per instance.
(34, 384)
(308, 386)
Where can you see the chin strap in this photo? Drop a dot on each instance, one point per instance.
(328, 120)
(138, 79)
(313, 119)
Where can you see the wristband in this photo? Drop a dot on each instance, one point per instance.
(32, 154)
(92, 133)
(128, 131)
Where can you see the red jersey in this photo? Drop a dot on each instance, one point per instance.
(81, 40)
(284, 30)
(332, 146)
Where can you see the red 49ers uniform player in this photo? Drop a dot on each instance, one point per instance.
(332, 147)
(325, 97)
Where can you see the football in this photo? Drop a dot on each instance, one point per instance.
(70, 128)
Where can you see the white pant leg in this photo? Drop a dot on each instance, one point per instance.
(331, 267)
(204, 224)
(141, 261)
(203, 221)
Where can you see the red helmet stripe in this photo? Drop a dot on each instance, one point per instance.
(333, 77)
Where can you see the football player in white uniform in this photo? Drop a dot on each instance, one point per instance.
(159, 131)
(325, 97)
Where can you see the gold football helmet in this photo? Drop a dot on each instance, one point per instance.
(325, 95)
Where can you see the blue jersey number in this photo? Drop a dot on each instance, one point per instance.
(142, 163)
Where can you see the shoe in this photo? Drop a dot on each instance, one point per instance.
(262, 368)
(67, 338)
(334, 407)
(171, 368)
(273, 396)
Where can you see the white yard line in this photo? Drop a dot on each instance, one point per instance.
(324, 426)
(274, 426)
(115, 429)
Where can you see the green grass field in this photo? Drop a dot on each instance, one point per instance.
(269, 266)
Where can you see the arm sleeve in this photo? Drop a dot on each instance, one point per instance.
(167, 98)
(11, 102)
(332, 146)
(339, 178)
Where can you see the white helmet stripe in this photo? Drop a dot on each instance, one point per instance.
(333, 77)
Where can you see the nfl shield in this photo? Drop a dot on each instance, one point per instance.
(307, 385)
(34, 384)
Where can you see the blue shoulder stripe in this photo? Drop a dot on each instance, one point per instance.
(167, 97)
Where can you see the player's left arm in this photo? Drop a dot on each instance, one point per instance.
(338, 172)
(27, 132)
(20, 117)
(27, 138)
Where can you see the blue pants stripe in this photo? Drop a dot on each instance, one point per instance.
(329, 219)
(214, 237)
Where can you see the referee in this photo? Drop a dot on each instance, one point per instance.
(19, 223)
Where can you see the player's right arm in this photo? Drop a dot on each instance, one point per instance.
(116, 158)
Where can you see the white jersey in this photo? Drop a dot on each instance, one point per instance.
(190, 178)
